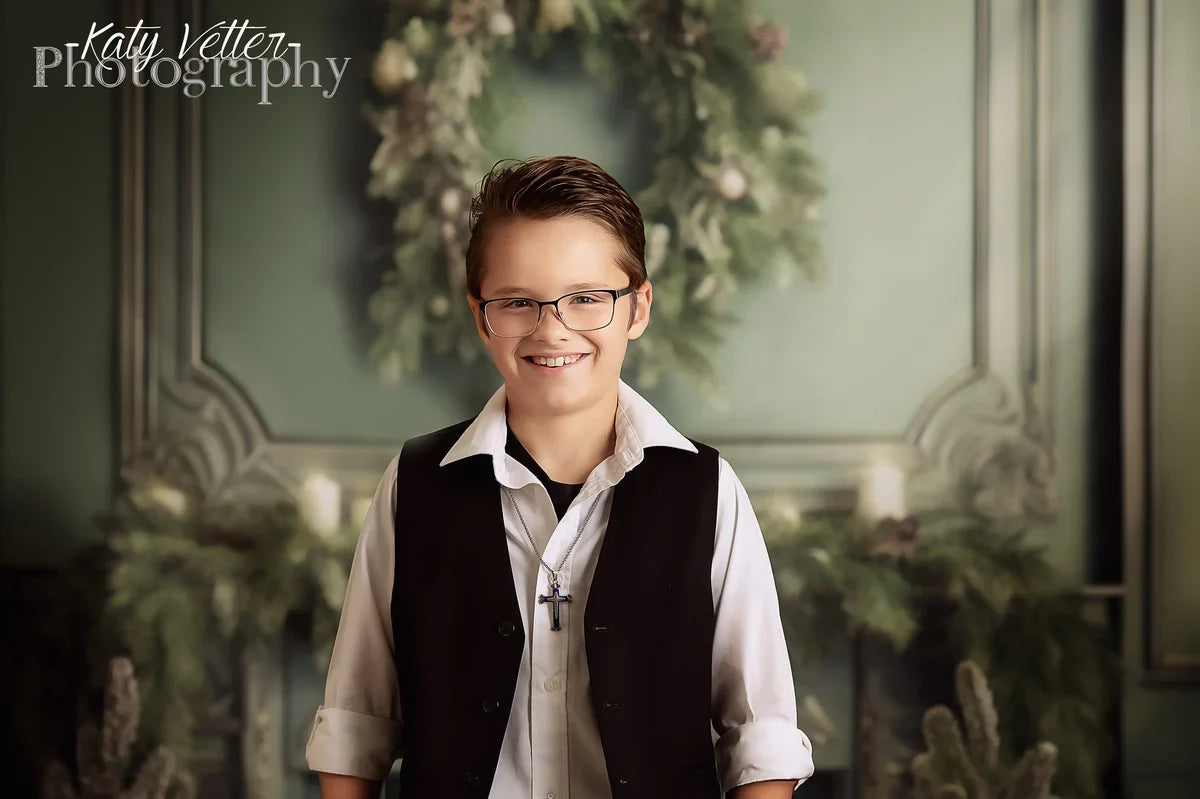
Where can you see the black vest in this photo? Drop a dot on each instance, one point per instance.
(648, 622)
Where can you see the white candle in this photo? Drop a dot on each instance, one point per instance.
(321, 504)
(881, 493)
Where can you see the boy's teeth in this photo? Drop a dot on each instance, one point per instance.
(559, 361)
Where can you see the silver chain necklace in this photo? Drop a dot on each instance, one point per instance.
(554, 596)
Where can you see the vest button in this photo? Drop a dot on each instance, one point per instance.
(473, 779)
(506, 628)
(622, 781)
(490, 705)
(609, 704)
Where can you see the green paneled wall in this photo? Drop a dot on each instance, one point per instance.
(58, 239)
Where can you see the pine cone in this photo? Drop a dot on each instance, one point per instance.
(1030, 778)
(979, 713)
(155, 776)
(766, 40)
(465, 16)
(122, 710)
(56, 782)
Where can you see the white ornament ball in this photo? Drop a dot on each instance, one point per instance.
(417, 36)
(393, 66)
(501, 24)
(451, 202)
(731, 183)
(556, 15)
(439, 305)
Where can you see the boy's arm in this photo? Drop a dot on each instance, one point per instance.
(339, 786)
(770, 789)
(760, 747)
(357, 732)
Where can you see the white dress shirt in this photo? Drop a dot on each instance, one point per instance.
(551, 747)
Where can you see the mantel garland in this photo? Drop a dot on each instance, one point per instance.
(182, 577)
(732, 199)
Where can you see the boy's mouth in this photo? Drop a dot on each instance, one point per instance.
(555, 363)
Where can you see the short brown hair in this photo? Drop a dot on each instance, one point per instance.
(552, 187)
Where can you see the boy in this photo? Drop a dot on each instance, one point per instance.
(558, 597)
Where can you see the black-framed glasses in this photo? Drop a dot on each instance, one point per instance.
(581, 311)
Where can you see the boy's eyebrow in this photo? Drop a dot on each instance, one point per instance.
(524, 292)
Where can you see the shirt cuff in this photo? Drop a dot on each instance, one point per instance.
(770, 749)
(354, 744)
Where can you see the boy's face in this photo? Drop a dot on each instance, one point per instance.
(543, 259)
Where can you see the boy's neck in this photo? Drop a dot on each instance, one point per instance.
(568, 447)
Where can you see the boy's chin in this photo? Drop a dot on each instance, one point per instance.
(559, 395)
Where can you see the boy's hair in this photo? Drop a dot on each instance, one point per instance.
(552, 187)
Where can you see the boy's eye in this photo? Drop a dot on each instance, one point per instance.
(515, 304)
(583, 299)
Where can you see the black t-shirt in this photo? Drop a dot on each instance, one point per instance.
(561, 494)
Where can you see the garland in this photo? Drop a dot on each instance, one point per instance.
(1050, 667)
(186, 589)
(181, 580)
(731, 201)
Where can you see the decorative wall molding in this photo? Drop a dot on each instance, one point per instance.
(1144, 218)
(180, 412)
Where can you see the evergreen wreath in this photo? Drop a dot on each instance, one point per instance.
(731, 201)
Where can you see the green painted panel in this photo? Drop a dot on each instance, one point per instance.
(58, 250)
(1176, 276)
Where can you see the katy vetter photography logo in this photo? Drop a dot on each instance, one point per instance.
(233, 53)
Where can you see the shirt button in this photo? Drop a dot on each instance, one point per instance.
(550, 795)
(552, 684)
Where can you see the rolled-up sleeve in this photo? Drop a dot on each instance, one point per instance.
(754, 698)
(358, 729)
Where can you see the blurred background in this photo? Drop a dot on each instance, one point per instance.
(924, 274)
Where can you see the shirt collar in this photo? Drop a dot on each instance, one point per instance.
(638, 425)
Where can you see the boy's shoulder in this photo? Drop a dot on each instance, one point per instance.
(436, 443)
(705, 449)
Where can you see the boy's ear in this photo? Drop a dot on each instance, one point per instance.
(477, 315)
(641, 299)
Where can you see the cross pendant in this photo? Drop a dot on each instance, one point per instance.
(556, 599)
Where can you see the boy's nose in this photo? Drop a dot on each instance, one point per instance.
(549, 312)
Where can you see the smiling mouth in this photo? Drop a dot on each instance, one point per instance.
(560, 362)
